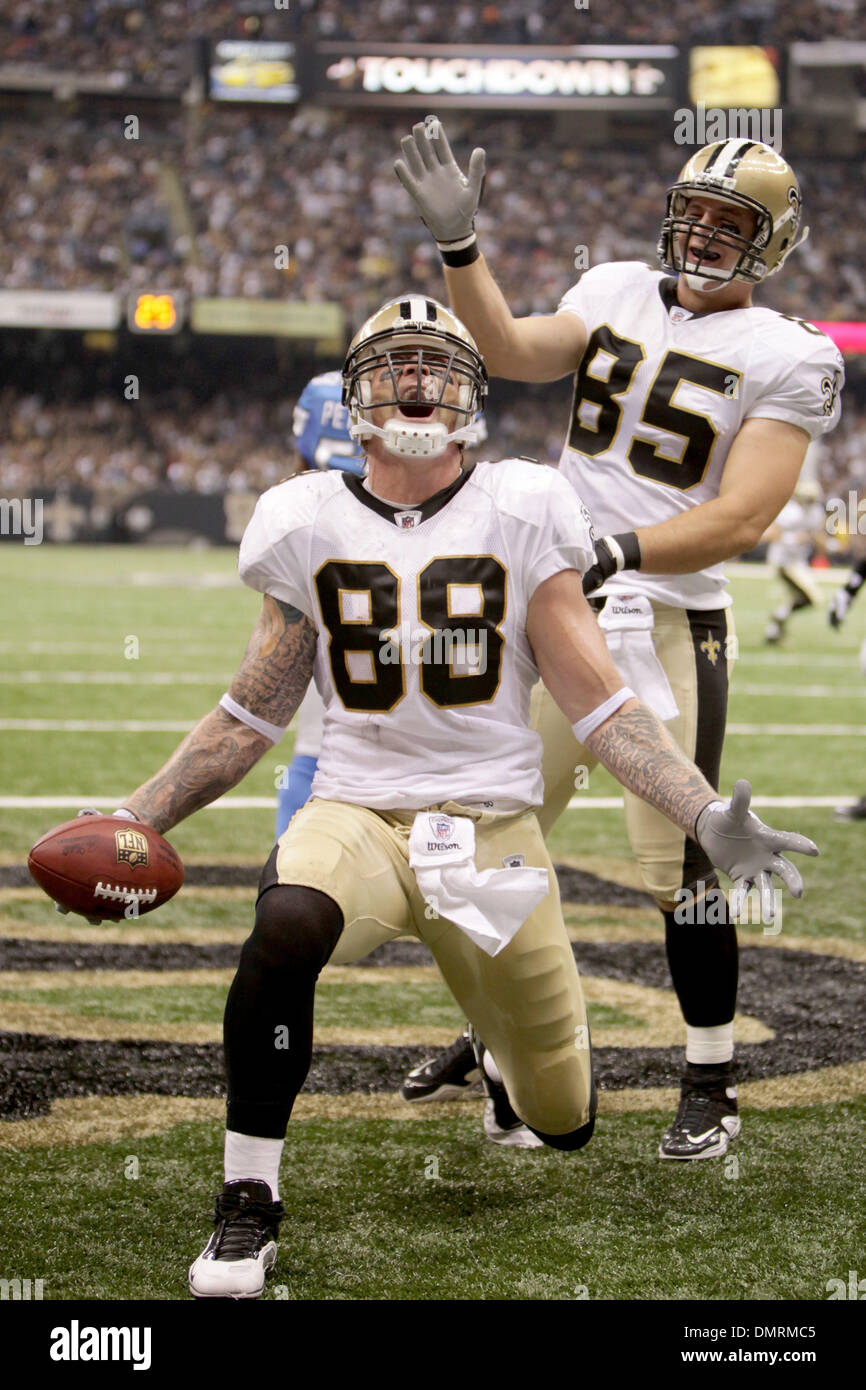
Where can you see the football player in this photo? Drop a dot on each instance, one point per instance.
(839, 605)
(424, 599)
(692, 412)
(321, 428)
(792, 540)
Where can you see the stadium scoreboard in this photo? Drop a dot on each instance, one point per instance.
(155, 312)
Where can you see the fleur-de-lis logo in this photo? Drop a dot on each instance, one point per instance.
(712, 649)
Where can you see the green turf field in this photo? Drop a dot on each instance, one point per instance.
(110, 1174)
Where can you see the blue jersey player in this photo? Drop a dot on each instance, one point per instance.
(321, 430)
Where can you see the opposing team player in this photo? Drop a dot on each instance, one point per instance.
(321, 429)
(792, 539)
(424, 599)
(692, 412)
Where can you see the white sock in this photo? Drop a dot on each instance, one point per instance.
(247, 1156)
(709, 1045)
(491, 1068)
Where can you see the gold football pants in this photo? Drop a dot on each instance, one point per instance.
(526, 1002)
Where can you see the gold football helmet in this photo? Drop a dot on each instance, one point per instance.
(747, 174)
(421, 333)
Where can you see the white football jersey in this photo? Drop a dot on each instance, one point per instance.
(660, 396)
(422, 660)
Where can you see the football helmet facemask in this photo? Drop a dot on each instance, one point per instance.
(745, 174)
(420, 333)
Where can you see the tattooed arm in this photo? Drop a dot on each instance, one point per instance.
(575, 665)
(220, 750)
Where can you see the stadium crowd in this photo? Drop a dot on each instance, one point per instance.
(213, 430)
(150, 45)
(206, 200)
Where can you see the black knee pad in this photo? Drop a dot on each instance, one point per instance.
(575, 1140)
(295, 927)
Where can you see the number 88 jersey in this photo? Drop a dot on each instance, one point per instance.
(422, 659)
(660, 396)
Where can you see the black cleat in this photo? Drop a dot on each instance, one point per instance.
(705, 1123)
(243, 1247)
(855, 812)
(452, 1073)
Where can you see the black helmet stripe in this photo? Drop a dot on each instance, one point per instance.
(745, 146)
(431, 311)
(714, 156)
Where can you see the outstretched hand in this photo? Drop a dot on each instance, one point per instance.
(749, 851)
(446, 198)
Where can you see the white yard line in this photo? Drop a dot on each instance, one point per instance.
(266, 803)
(130, 677)
(803, 692)
(97, 726)
(183, 726)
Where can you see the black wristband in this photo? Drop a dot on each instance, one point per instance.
(630, 547)
(465, 256)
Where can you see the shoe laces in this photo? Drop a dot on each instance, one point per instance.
(241, 1223)
(694, 1105)
(457, 1048)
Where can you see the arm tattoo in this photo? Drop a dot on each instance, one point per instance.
(278, 663)
(638, 750)
(220, 751)
(213, 757)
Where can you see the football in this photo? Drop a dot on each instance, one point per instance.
(106, 867)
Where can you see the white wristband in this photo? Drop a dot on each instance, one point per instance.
(590, 722)
(124, 814)
(272, 731)
(457, 245)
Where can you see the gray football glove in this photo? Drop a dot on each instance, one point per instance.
(749, 851)
(447, 200)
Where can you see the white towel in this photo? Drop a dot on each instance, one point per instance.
(627, 622)
(490, 907)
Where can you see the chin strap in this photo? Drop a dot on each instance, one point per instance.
(410, 441)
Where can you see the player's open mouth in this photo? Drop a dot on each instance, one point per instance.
(417, 412)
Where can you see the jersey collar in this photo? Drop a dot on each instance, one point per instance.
(668, 294)
(424, 510)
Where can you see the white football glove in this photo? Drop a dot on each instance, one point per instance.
(447, 200)
(749, 851)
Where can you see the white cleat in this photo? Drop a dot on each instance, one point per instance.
(243, 1248)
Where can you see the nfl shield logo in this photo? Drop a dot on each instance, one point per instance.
(406, 520)
(441, 827)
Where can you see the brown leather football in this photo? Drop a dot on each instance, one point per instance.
(106, 867)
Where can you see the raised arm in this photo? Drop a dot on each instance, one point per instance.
(540, 348)
(220, 750)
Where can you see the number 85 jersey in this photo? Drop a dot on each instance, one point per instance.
(661, 394)
(422, 659)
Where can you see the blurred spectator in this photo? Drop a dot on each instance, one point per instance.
(203, 200)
